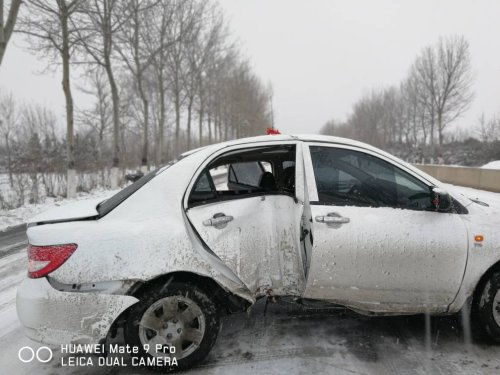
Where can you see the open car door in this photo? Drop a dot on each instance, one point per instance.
(245, 207)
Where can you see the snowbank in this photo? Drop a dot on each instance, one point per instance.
(495, 164)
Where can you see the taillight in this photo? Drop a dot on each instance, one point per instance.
(42, 260)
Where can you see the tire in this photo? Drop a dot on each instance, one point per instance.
(178, 315)
(487, 310)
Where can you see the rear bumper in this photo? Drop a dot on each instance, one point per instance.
(55, 317)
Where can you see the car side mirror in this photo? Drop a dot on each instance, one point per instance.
(441, 200)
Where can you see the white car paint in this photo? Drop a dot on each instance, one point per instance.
(75, 210)
(55, 317)
(380, 260)
(261, 244)
(416, 261)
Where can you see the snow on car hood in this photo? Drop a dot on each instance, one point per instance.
(479, 197)
(70, 211)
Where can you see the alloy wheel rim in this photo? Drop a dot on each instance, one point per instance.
(173, 321)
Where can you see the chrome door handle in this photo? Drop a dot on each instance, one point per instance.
(333, 219)
(219, 221)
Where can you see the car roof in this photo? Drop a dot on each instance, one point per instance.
(286, 137)
(289, 137)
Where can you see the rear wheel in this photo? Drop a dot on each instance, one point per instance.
(487, 309)
(179, 322)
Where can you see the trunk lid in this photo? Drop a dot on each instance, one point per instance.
(79, 210)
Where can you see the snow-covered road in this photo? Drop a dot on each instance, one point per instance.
(284, 338)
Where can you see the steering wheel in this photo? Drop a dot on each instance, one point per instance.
(290, 181)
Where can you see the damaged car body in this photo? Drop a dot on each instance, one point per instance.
(307, 217)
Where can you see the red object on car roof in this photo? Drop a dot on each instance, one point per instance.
(272, 131)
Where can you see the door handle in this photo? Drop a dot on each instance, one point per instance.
(219, 221)
(333, 219)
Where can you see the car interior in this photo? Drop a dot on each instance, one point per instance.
(253, 171)
(345, 177)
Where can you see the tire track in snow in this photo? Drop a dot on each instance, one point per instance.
(12, 272)
(13, 265)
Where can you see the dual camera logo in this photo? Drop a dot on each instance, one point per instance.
(27, 354)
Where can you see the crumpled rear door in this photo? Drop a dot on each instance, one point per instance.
(260, 243)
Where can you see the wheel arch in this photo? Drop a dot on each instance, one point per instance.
(229, 301)
(476, 295)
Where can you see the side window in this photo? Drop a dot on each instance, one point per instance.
(248, 173)
(204, 189)
(203, 184)
(239, 174)
(351, 178)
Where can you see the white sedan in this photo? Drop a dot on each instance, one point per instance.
(302, 217)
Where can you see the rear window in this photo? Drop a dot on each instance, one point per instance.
(110, 204)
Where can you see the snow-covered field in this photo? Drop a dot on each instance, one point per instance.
(9, 218)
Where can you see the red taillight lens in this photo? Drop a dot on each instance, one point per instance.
(42, 260)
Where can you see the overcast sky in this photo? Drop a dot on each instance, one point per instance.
(322, 55)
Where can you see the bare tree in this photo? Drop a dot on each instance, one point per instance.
(207, 45)
(488, 129)
(48, 26)
(7, 25)
(99, 117)
(163, 31)
(36, 123)
(415, 111)
(182, 26)
(423, 78)
(8, 122)
(454, 93)
(97, 27)
(132, 46)
(444, 75)
(192, 52)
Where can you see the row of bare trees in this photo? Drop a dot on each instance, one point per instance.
(164, 76)
(30, 151)
(418, 111)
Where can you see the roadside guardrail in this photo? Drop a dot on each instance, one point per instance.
(478, 178)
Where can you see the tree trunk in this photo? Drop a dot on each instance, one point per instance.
(209, 123)
(7, 29)
(190, 107)
(34, 188)
(161, 127)
(200, 125)
(116, 124)
(431, 133)
(71, 174)
(440, 128)
(9, 161)
(177, 105)
(100, 153)
(145, 145)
